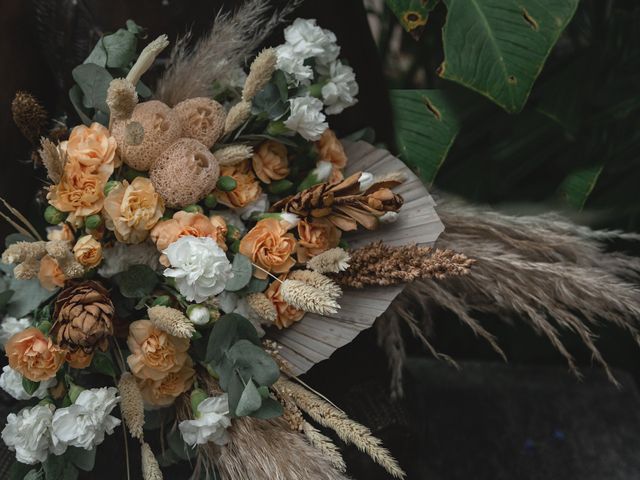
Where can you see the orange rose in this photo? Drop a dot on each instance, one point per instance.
(247, 190)
(287, 315)
(50, 273)
(270, 161)
(79, 359)
(131, 210)
(80, 193)
(316, 237)
(88, 251)
(34, 355)
(330, 149)
(162, 393)
(154, 353)
(188, 224)
(93, 148)
(269, 246)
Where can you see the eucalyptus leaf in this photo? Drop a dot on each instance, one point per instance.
(76, 97)
(59, 468)
(120, 48)
(34, 475)
(19, 471)
(242, 273)
(269, 103)
(98, 55)
(29, 386)
(133, 27)
(226, 332)
(249, 401)
(83, 459)
(136, 282)
(94, 81)
(255, 285)
(270, 408)
(102, 363)
(251, 361)
(5, 297)
(28, 295)
(178, 447)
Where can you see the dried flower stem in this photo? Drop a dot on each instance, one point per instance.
(325, 446)
(34, 233)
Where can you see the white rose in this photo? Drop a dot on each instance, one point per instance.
(200, 267)
(293, 65)
(211, 424)
(11, 382)
(308, 40)
(85, 423)
(341, 88)
(306, 117)
(10, 326)
(27, 433)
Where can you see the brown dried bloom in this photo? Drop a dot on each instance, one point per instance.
(380, 264)
(333, 260)
(131, 405)
(171, 321)
(29, 115)
(308, 298)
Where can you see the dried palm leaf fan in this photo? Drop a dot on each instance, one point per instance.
(316, 337)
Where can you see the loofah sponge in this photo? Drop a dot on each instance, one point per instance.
(152, 128)
(185, 173)
(202, 119)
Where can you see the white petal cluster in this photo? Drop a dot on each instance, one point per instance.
(200, 267)
(259, 205)
(306, 117)
(10, 326)
(11, 382)
(210, 424)
(340, 90)
(27, 433)
(122, 256)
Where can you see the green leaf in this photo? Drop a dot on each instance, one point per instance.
(577, 186)
(242, 273)
(94, 81)
(250, 400)
(412, 14)
(270, 408)
(98, 55)
(280, 81)
(34, 475)
(76, 97)
(133, 27)
(251, 361)
(59, 468)
(426, 124)
(83, 459)
(28, 295)
(255, 285)
(29, 385)
(5, 297)
(227, 331)
(120, 48)
(19, 471)
(136, 282)
(178, 447)
(498, 47)
(269, 103)
(102, 363)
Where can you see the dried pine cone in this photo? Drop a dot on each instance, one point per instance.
(343, 204)
(29, 116)
(83, 317)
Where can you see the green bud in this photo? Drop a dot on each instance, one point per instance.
(235, 246)
(92, 222)
(210, 201)
(315, 90)
(54, 216)
(162, 300)
(226, 183)
(74, 392)
(232, 233)
(197, 397)
(280, 186)
(130, 174)
(276, 128)
(193, 209)
(111, 184)
(44, 326)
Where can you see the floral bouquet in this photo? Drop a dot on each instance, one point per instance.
(208, 243)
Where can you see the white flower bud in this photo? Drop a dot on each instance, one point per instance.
(198, 314)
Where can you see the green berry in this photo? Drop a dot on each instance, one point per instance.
(92, 222)
(226, 183)
(54, 216)
(280, 186)
(210, 201)
(130, 174)
(232, 233)
(193, 209)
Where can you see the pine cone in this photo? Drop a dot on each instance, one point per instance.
(343, 204)
(29, 116)
(83, 317)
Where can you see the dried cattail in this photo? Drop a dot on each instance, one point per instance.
(150, 468)
(262, 306)
(131, 405)
(233, 154)
(26, 270)
(51, 159)
(22, 251)
(333, 260)
(305, 297)
(348, 430)
(29, 116)
(171, 321)
(146, 59)
(317, 280)
(325, 446)
(260, 73)
(238, 114)
(121, 98)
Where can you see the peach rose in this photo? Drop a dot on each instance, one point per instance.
(60, 232)
(270, 161)
(35, 356)
(93, 148)
(330, 149)
(131, 210)
(50, 274)
(185, 224)
(79, 359)
(287, 315)
(163, 392)
(248, 189)
(154, 353)
(88, 251)
(269, 246)
(80, 193)
(316, 237)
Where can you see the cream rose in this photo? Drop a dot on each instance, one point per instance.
(88, 251)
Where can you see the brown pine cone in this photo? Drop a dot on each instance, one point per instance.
(343, 204)
(83, 317)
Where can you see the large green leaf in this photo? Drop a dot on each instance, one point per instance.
(498, 47)
(577, 187)
(412, 14)
(426, 125)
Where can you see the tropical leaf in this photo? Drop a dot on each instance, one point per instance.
(412, 14)
(498, 47)
(426, 125)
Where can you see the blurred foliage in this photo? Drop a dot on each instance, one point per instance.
(574, 145)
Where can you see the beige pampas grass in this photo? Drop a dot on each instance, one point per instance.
(262, 306)
(238, 114)
(333, 260)
(131, 405)
(150, 468)
(121, 99)
(317, 280)
(51, 159)
(233, 154)
(171, 321)
(146, 59)
(260, 73)
(349, 431)
(325, 446)
(308, 298)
